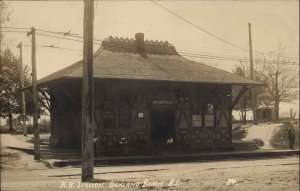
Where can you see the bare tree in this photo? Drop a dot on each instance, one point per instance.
(281, 77)
(244, 103)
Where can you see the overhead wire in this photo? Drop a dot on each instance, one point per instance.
(198, 27)
(184, 53)
(188, 54)
(76, 36)
(21, 28)
(63, 38)
(43, 46)
(13, 31)
(59, 33)
(67, 34)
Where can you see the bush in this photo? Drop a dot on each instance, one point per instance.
(259, 142)
(279, 138)
(29, 129)
(239, 132)
(44, 128)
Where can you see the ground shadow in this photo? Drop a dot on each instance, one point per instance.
(25, 150)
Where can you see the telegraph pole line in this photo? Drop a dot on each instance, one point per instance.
(22, 92)
(87, 151)
(253, 96)
(35, 99)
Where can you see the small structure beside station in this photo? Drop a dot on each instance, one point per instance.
(265, 114)
(145, 94)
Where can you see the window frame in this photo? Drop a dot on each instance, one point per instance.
(197, 111)
(209, 115)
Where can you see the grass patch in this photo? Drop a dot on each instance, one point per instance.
(8, 159)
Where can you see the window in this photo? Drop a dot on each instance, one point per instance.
(197, 120)
(139, 121)
(209, 117)
(109, 115)
(124, 114)
(197, 115)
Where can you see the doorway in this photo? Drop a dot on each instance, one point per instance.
(162, 125)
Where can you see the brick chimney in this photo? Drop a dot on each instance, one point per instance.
(140, 45)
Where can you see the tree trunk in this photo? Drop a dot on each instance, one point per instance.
(276, 108)
(245, 116)
(243, 121)
(10, 119)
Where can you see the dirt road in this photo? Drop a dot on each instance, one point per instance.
(261, 174)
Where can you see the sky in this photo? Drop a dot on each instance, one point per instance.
(272, 23)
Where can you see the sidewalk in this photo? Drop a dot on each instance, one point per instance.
(23, 145)
(177, 158)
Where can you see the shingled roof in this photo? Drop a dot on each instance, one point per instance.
(136, 59)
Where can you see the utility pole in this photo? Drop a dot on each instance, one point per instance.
(22, 92)
(253, 96)
(34, 95)
(276, 96)
(87, 151)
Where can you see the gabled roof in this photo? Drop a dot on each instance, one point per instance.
(159, 61)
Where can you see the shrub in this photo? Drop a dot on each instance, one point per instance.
(239, 132)
(259, 142)
(44, 128)
(279, 138)
(29, 129)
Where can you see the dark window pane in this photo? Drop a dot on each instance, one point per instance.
(109, 121)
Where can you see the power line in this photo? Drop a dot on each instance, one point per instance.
(188, 54)
(238, 60)
(224, 58)
(43, 46)
(209, 53)
(13, 31)
(9, 44)
(52, 32)
(199, 28)
(57, 47)
(76, 36)
(63, 38)
(21, 28)
(59, 33)
(65, 34)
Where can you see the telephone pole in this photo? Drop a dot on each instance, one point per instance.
(253, 96)
(34, 95)
(22, 92)
(276, 95)
(87, 151)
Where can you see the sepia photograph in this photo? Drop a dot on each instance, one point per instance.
(149, 95)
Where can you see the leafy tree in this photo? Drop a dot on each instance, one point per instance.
(4, 16)
(10, 84)
(10, 89)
